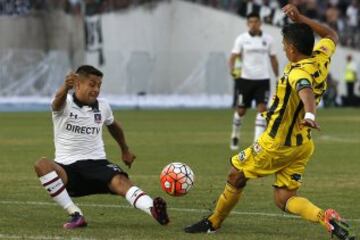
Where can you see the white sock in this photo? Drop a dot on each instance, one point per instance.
(139, 199)
(236, 125)
(56, 189)
(260, 125)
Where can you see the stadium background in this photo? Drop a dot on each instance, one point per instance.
(153, 53)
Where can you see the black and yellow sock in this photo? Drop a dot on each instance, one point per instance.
(225, 203)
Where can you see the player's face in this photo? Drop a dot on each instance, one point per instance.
(88, 88)
(254, 25)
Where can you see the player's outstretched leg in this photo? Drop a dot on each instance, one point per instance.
(337, 226)
(47, 172)
(329, 218)
(159, 212)
(76, 221)
(203, 226)
(225, 203)
(121, 185)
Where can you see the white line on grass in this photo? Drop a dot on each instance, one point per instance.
(41, 237)
(338, 139)
(173, 209)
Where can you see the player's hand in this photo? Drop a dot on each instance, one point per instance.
(70, 80)
(309, 123)
(128, 158)
(292, 12)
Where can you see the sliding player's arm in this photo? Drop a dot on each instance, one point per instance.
(118, 134)
(60, 97)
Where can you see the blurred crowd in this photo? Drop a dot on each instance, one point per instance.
(88, 7)
(341, 15)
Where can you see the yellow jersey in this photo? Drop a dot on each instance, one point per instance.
(287, 109)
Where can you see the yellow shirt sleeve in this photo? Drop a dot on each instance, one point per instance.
(325, 46)
(300, 79)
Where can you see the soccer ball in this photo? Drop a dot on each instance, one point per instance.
(176, 179)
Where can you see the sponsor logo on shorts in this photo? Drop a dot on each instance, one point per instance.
(114, 167)
(296, 177)
(257, 147)
(242, 156)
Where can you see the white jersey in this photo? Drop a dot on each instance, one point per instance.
(78, 131)
(255, 51)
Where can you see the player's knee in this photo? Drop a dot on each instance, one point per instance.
(281, 198)
(42, 164)
(281, 203)
(237, 179)
(120, 184)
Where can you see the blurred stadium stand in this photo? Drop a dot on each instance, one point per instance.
(342, 15)
(153, 53)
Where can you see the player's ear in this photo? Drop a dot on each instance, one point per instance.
(292, 48)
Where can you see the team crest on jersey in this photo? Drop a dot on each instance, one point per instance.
(97, 117)
(264, 43)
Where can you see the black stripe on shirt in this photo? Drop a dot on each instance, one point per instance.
(295, 116)
(279, 118)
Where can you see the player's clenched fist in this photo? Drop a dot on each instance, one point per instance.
(128, 158)
(70, 80)
(292, 12)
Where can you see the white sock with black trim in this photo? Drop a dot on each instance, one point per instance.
(236, 125)
(139, 199)
(260, 126)
(56, 189)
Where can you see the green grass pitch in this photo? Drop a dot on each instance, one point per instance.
(197, 137)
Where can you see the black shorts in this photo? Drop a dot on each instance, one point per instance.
(87, 177)
(246, 90)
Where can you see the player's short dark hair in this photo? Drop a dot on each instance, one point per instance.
(87, 70)
(301, 36)
(253, 15)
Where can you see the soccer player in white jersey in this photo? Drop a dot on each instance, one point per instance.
(80, 167)
(254, 49)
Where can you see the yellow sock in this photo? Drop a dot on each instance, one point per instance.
(304, 208)
(224, 205)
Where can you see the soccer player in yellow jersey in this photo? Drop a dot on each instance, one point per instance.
(286, 146)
